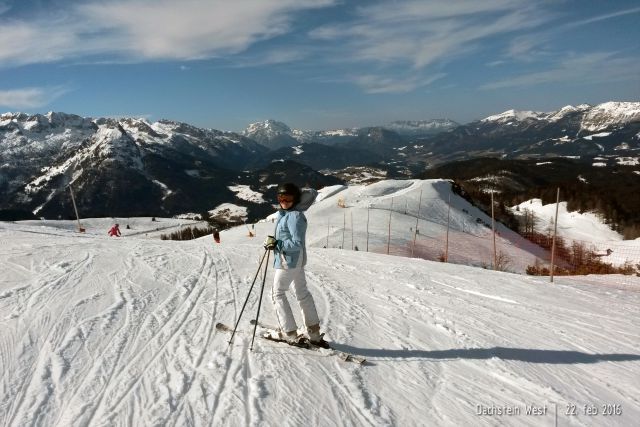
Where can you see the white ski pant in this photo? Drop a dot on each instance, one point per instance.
(281, 283)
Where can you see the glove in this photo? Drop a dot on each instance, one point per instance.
(270, 243)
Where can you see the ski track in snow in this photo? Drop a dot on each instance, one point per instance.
(96, 331)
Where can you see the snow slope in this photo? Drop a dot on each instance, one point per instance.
(104, 331)
(586, 227)
(470, 236)
(147, 227)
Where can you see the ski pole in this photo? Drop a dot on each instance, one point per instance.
(264, 279)
(266, 251)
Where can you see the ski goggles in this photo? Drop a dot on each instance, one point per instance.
(285, 198)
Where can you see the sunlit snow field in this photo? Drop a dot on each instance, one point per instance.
(120, 331)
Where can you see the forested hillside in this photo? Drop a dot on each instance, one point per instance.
(613, 192)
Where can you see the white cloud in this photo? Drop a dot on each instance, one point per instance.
(30, 97)
(272, 57)
(384, 84)
(422, 33)
(531, 47)
(24, 43)
(604, 17)
(149, 30)
(420, 36)
(527, 48)
(595, 67)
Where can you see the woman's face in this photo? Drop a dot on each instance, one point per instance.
(286, 204)
(285, 200)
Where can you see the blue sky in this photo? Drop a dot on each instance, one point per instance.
(315, 64)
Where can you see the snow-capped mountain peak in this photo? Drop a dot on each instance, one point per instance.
(609, 114)
(566, 110)
(272, 133)
(593, 118)
(516, 115)
(114, 163)
(421, 127)
(270, 126)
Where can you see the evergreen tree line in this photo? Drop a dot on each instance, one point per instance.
(188, 233)
(612, 192)
(573, 259)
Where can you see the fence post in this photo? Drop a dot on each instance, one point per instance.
(493, 227)
(368, 207)
(351, 218)
(73, 199)
(327, 232)
(446, 247)
(389, 234)
(415, 232)
(344, 225)
(553, 242)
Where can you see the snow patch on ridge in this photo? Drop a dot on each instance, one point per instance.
(166, 190)
(229, 212)
(628, 161)
(596, 135)
(514, 115)
(244, 192)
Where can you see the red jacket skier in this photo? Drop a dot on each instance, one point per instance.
(115, 231)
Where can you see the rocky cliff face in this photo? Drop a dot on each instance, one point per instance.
(116, 166)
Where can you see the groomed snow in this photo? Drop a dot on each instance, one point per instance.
(144, 227)
(119, 331)
(106, 331)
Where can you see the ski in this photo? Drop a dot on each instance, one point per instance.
(305, 343)
(223, 328)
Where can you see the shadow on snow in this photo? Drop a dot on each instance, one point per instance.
(519, 354)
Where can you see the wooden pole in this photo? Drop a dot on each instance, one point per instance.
(493, 227)
(415, 232)
(351, 217)
(344, 225)
(446, 246)
(327, 233)
(553, 242)
(368, 206)
(75, 208)
(389, 234)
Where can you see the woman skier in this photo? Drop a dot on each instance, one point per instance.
(290, 257)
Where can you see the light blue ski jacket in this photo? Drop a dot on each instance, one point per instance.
(291, 230)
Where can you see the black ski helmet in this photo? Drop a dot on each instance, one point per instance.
(291, 189)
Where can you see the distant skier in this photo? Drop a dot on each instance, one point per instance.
(290, 257)
(216, 235)
(115, 231)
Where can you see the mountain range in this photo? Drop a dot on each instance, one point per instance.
(274, 134)
(131, 167)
